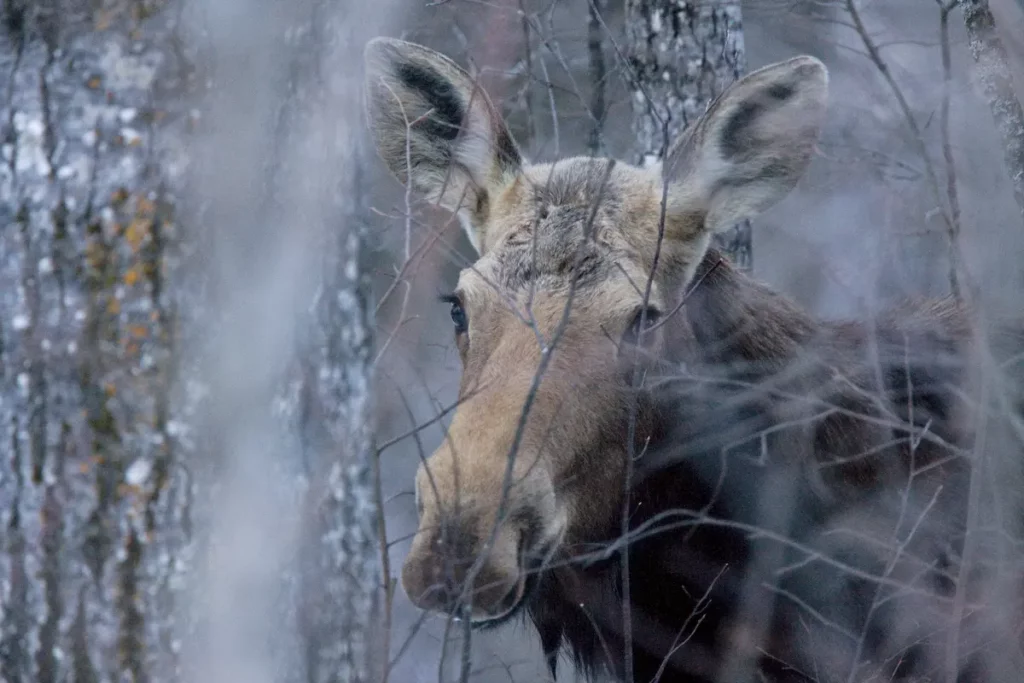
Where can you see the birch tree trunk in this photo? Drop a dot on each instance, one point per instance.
(185, 489)
(992, 66)
(683, 53)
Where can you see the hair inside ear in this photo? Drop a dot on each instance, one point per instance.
(437, 130)
(751, 146)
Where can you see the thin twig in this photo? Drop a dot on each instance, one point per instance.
(947, 152)
(908, 115)
(595, 47)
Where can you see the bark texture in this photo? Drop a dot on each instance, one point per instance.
(993, 70)
(94, 505)
(143, 393)
(683, 53)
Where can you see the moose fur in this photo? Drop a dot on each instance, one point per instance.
(843, 466)
(795, 490)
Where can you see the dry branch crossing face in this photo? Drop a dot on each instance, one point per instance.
(579, 262)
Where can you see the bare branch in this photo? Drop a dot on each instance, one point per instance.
(952, 193)
(595, 47)
(917, 135)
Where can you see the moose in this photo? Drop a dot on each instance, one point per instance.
(674, 472)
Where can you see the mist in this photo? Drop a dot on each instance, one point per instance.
(222, 352)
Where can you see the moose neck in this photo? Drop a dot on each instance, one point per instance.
(734, 318)
(730, 328)
(733, 328)
(745, 360)
(732, 342)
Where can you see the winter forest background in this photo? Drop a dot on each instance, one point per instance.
(218, 320)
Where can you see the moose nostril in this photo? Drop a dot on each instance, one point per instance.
(490, 595)
(433, 580)
(430, 588)
(442, 574)
(438, 586)
(442, 596)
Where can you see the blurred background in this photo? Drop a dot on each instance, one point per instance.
(221, 351)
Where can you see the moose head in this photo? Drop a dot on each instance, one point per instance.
(580, 264)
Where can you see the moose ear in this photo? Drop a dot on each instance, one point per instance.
(751, 146)
(437, 130)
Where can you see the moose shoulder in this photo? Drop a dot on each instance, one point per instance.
(782, 479)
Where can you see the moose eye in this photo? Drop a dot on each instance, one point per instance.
(643, 321)
(459, 318)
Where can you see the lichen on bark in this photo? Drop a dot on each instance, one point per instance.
(86, 349)
(108, 489)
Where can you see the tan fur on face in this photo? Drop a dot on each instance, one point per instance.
(585, 232)
(549, 244)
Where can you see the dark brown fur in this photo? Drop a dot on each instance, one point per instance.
(794, 488)
(767, 355)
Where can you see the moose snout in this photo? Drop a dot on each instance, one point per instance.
(451, 570)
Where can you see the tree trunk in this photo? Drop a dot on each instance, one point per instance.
(993, 69)
(185, 489)
(683, 53)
